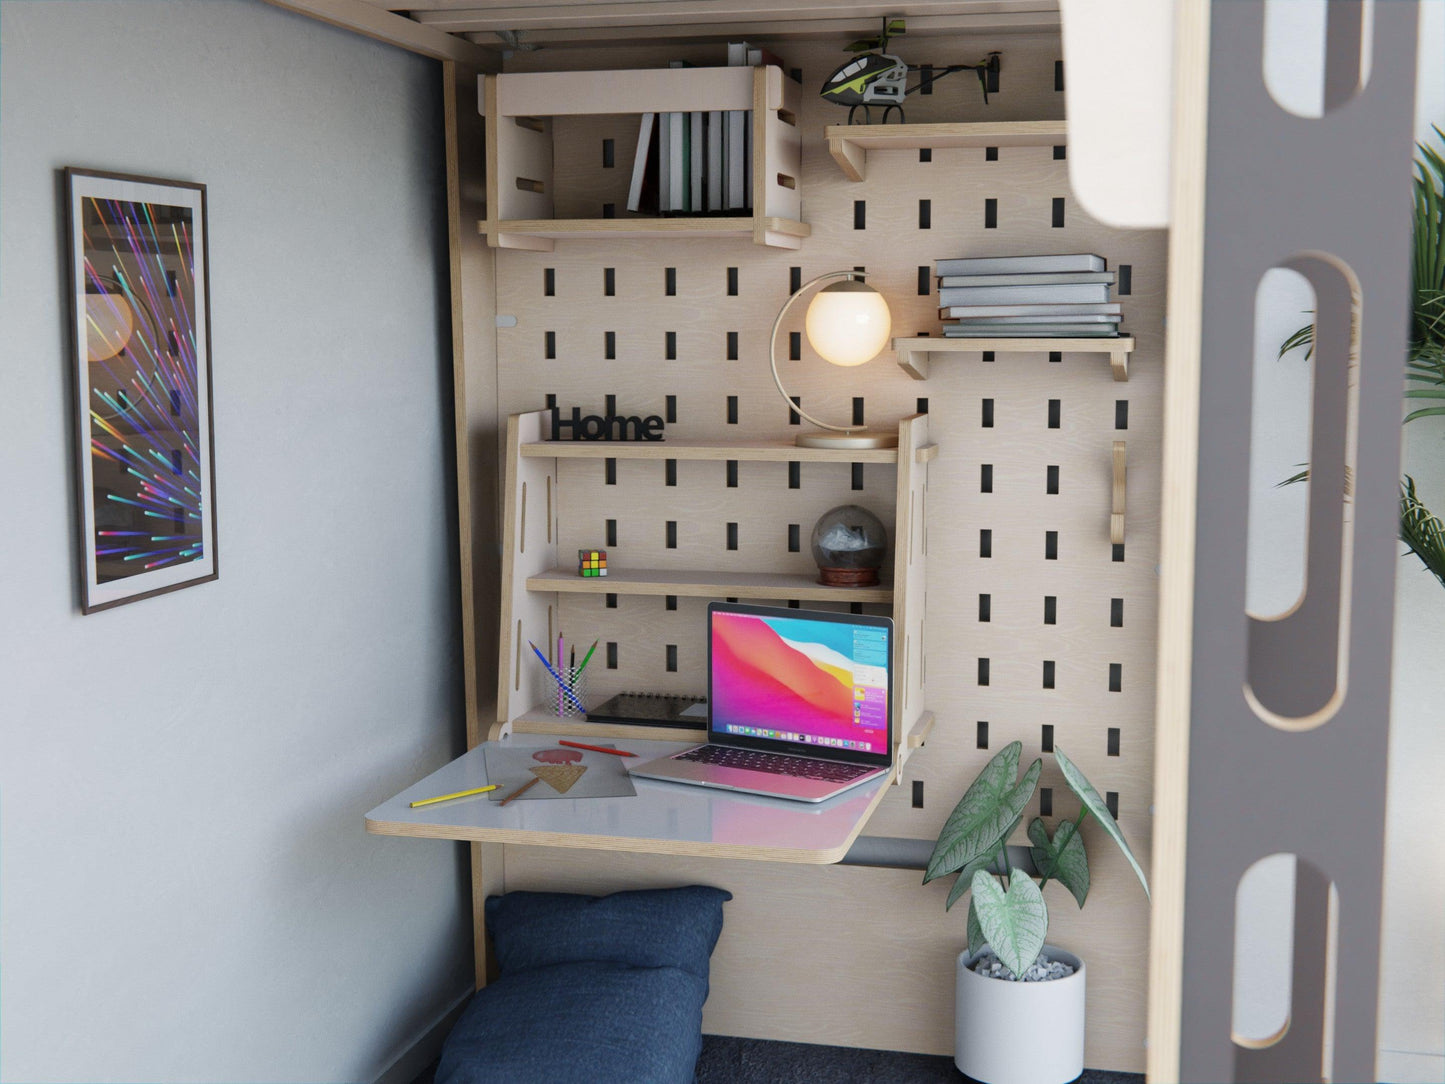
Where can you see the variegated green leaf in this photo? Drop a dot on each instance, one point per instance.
(1014, 922)
(987, 861)
(1069, 867)
(985, 813)
(1095, 805)
(976, 940)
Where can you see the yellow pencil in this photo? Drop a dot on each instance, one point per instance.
(458, 794)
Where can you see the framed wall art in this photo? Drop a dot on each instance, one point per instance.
(140, 320)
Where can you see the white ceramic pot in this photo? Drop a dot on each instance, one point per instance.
(1019, 1032)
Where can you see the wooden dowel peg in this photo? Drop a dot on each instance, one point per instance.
(1116, 518)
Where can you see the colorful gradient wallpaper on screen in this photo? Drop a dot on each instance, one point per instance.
(817, 681)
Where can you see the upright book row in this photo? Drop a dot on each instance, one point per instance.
(698, 162)
(693, 163)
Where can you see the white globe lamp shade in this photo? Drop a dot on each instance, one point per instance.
(848, 323)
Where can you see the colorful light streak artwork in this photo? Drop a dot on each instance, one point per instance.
(140, 309)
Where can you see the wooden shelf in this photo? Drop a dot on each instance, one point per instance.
(849, 144)
(751, 451)
(525, 233)
(540, 720)
(914, 354)
(697, 583)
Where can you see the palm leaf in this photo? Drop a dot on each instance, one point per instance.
(1421, 530)
(1305, 337)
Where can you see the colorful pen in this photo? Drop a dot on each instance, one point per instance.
(561, 681)
(458, 794)
(588, 657)
(596, 748)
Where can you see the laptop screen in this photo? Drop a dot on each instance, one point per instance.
(810, 678)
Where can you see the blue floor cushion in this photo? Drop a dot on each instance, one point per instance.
(591, 988)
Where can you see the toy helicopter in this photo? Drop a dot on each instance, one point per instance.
(880, 78)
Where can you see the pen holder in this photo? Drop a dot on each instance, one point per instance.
(568, 707)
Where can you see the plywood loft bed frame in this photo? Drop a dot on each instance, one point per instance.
(1036, 615)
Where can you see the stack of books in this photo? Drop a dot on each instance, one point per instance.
(1027, 297)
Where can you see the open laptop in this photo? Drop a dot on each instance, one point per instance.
(800, 704)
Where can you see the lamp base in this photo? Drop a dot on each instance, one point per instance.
(854, 439)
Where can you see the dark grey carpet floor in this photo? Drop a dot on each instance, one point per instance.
(727, 1060)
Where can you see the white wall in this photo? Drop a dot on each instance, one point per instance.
(186, 890)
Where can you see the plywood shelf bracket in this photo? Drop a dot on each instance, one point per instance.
(915, 355)
(922, 727)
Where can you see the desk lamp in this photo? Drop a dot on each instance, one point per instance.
(847, 324)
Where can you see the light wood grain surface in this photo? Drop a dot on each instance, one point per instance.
(1178, 517)
(661, 818)
(693, 366)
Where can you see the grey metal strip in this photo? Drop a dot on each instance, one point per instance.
(1281, 188)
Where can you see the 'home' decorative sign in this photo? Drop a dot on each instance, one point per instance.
(613, 426)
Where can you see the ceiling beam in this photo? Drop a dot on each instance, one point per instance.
(1022, 23)
(524, 15)
(377, 22)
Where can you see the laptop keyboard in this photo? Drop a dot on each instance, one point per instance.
(828, 771)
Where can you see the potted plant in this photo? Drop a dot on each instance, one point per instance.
(1009, 979)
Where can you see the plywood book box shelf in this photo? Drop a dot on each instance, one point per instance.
(523, 179)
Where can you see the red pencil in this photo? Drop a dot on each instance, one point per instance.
(596, 748)
(518, 792)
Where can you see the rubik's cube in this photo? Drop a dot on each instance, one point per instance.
(591, 562)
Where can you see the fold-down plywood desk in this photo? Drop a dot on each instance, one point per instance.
(662, 818)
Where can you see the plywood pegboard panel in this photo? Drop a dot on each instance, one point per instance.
(701, 345)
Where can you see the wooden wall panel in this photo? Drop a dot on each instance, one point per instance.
(849, 956)
(701, 376)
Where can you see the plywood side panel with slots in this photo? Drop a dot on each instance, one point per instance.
(910, 584)
(678, 327)
(530, 531)
(474, 374)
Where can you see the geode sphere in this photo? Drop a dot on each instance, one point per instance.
(849, 544)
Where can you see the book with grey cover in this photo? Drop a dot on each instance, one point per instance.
(679, 161)
(641, 163)
(697, 170)
(664, 158)
(1056, 318)
(1060, 278)
(715, 162)
(735, 149)
(1083, 293)
(1030, 331)
(1017, 265)
(958, 311)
